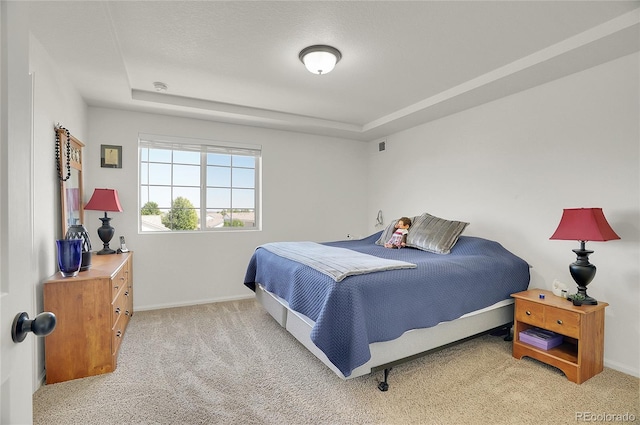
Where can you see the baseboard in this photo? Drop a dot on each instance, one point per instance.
(622, 368)
(40, 380)
(191, 303)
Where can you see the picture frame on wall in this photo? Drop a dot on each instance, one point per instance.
(110, 156)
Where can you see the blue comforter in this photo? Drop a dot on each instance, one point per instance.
(381, 306)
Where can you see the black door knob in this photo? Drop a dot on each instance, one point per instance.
(43, 324)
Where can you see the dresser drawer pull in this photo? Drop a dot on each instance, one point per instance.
(559, 321)
(127, 313)
(117, 310)
(115, 287)
(528, 313)
(126, 294)
(119, 334)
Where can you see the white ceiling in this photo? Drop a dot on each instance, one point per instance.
(403, 63)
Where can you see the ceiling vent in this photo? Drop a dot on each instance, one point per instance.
(160, 87)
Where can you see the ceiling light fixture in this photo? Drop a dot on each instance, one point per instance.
(320, 59)
(160, 87)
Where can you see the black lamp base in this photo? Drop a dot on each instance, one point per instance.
(106, 232)
(582, 300)
(105, 251)
(582, 272)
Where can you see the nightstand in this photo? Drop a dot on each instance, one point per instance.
(581, 354)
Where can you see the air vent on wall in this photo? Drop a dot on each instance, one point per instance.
(382, 146)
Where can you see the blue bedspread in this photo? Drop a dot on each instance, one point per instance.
(382, 306)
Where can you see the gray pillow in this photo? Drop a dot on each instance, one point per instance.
(434, 234)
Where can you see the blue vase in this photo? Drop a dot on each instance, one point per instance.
(69, 256)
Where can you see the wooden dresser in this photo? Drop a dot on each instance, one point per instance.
(92, 312)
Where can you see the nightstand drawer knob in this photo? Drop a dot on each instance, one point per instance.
(559, 321)
(528, 313)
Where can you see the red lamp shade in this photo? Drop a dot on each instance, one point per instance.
(104, 200)
(584, 224)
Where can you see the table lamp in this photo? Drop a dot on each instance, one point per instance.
(105, 200)
(583, 224)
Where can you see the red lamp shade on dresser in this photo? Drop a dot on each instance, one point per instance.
(583, 224)
(105, 200)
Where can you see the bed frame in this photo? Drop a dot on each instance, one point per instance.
(412, 344)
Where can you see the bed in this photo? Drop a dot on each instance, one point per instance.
(369, 322)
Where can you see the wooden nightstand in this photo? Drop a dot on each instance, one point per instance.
(580, 356)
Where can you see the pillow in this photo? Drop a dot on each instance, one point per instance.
(388, 231)
(434, 234)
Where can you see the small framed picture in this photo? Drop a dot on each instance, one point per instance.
(110, 156)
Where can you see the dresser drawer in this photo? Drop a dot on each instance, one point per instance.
(119, 281)
(122, 306)
(120, 319)
(562, 321)
(530, 312)
(117, 335)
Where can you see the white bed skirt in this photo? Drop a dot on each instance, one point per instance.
(411, 343)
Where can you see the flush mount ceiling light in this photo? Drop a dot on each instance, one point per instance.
(320, 59)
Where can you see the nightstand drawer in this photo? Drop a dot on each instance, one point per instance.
(562, 321)
(530, 312)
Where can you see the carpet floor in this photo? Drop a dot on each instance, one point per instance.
(231, 363)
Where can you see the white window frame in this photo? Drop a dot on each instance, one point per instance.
(204, 147)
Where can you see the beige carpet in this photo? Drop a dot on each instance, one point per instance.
(230, 363)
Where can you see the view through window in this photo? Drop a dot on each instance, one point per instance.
(188, 185)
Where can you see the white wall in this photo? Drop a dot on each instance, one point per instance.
(314, 188)
(54, 101)
(509, 167)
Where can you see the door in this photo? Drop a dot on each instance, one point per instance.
(17, 280)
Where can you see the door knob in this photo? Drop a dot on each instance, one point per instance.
(43, 324)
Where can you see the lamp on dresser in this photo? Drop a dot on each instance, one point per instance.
(583, 224)
(105, 200)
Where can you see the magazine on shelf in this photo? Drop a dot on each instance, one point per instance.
(541, 333)
(541, 338)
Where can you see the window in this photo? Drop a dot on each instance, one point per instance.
(194, 185)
